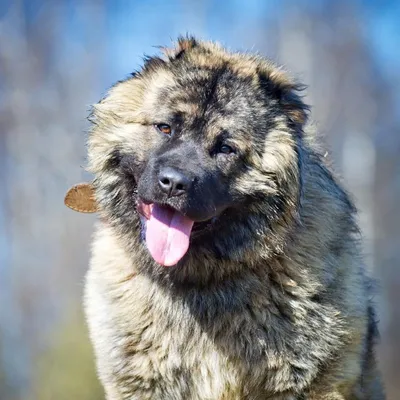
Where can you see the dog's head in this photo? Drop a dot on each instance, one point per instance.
(195, 141)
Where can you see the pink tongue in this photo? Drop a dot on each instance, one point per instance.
(167, 235)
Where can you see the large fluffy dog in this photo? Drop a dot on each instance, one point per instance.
(226, 263)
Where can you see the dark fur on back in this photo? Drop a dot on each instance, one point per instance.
(271, 300)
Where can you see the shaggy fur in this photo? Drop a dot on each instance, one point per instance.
(271, 300)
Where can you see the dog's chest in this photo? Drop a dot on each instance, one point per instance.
(184, 350)
(168, 347)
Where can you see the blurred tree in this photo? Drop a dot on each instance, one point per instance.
(47, 74)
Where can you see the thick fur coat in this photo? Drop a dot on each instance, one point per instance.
(270, 301)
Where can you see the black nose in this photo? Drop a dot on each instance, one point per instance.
(173, 182)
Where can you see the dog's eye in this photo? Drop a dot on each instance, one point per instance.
(225, 149)
(164, 128)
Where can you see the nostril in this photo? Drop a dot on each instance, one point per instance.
(179, 186)
(165, 181)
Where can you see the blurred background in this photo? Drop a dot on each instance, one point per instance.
(58, 57)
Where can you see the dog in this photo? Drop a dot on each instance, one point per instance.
(226, 261)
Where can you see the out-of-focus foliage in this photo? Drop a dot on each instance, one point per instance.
(3, 389)
(66, 369)
(57, 58)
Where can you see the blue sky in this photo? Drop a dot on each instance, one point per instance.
(132, 28)
(129, 33)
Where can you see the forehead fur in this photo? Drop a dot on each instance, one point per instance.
(213, 55)
(261, 71)
(127, 98)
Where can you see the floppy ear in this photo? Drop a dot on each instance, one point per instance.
(293, 105)
(278, 84)
(81, 198)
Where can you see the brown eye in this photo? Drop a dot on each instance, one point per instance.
(164, 128)
(225, 149)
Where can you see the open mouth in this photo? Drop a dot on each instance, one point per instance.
(167, 232)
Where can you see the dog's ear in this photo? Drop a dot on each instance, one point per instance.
(294, 106)
(277, 83)
(81, 198)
